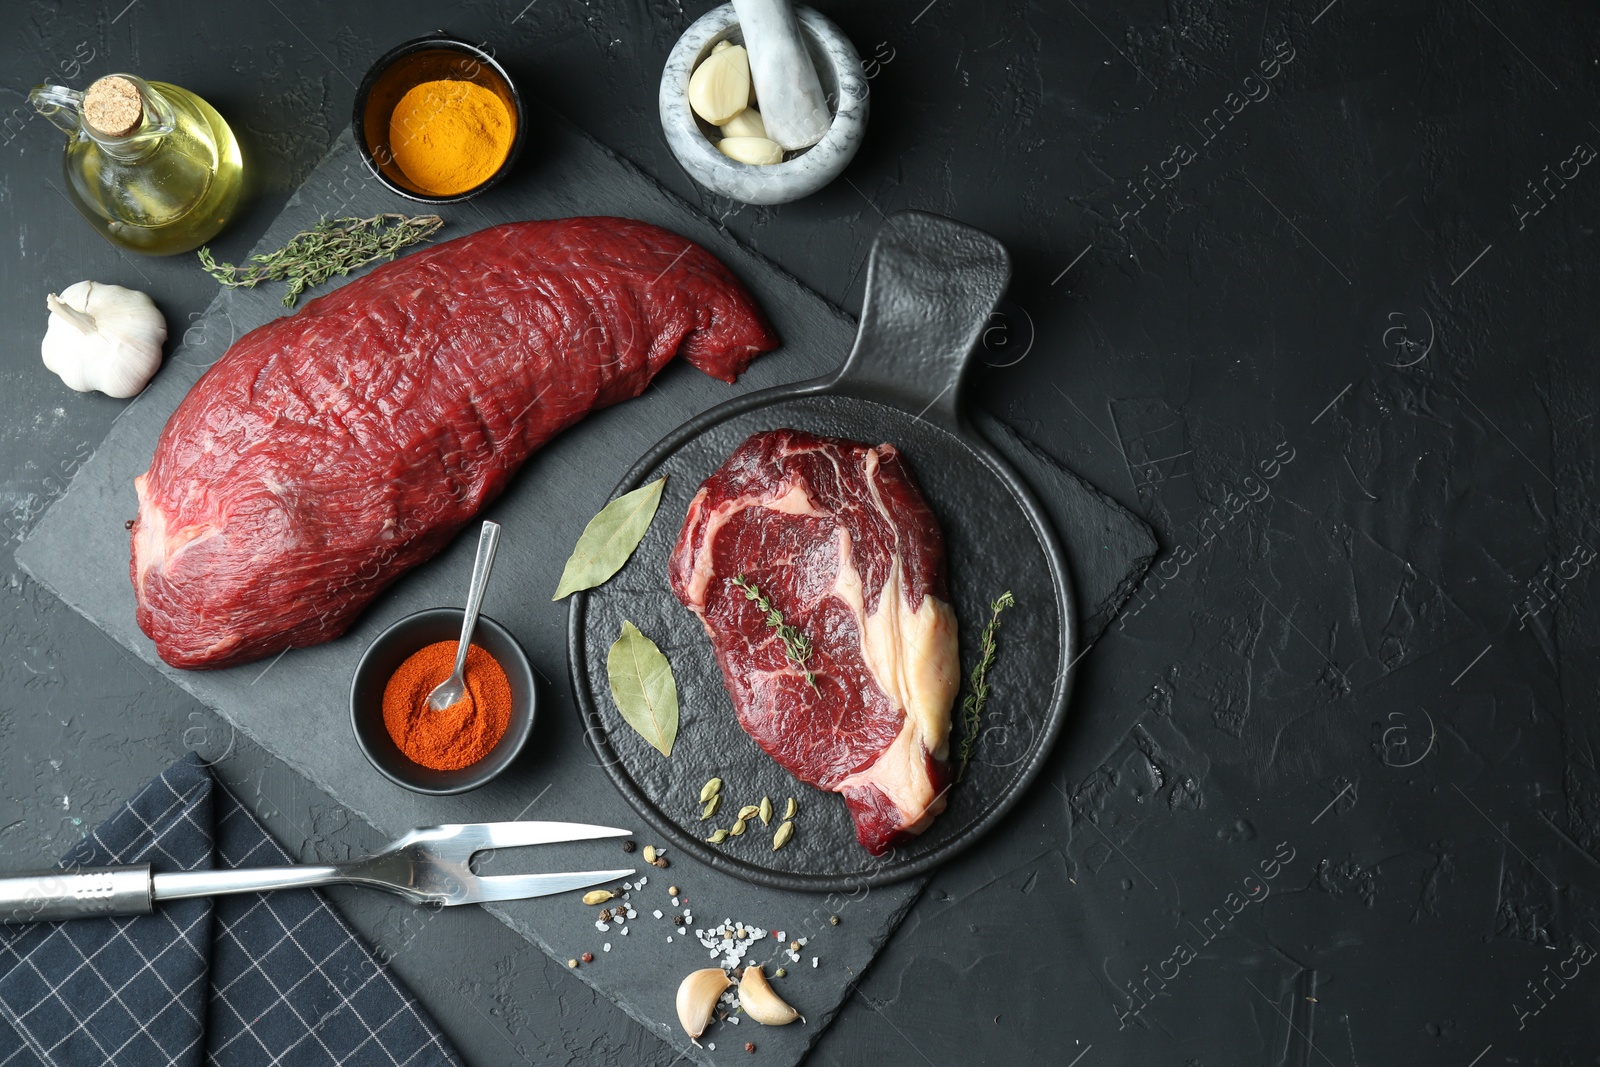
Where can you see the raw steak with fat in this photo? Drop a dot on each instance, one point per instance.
(837, 537)
(328, 452)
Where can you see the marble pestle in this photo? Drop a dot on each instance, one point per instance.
(790, 95)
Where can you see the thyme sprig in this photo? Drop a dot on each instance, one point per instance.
(796, 645)
(978, 690)
(332, 246)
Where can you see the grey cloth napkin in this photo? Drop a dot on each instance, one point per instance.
(263, 978)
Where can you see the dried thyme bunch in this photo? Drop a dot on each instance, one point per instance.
(796, 645)
(978, 693)
(332, 246)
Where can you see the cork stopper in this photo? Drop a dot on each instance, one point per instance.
(112, 106)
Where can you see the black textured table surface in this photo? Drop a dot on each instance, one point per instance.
(1300, 285)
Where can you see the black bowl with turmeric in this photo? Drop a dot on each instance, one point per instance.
(438, 120)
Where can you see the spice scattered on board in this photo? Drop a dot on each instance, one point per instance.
(461, 734)
(449, 137)
(711, 800)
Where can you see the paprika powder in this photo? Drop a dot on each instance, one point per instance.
(461, 734)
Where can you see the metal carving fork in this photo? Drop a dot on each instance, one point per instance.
(426, 866)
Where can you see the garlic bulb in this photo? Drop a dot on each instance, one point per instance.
(103, 337)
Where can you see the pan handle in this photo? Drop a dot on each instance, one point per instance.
(932, 283)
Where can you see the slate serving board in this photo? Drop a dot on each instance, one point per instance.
(296, 706)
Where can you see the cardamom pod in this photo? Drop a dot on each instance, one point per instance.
(749, 811)
(781, 838)
(710, 789)
(598, 896)
(711, 807)
(718, 838)
(649, 853)
(765, 811)
(738, 828)
(791, 809)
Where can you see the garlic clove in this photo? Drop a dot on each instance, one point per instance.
(757, 150)
(760, 1002)
(719, 88)
(697, 998)
(746, 123)
(103, 337)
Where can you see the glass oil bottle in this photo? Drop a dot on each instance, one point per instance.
(153, 167)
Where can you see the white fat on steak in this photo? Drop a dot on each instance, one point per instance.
(913, 657)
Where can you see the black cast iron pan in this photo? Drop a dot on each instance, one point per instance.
(931, 286)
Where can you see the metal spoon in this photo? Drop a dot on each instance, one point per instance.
(453, 688)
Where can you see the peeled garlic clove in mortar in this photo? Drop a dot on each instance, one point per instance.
(719, 88)
(746, 123)
(760, 1002)
(103, 337)
(757, 150)
(697, 998)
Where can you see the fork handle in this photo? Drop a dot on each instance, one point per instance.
(182, 885)
(88, 892)
(84, 892)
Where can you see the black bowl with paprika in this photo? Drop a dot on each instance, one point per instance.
(466, 745)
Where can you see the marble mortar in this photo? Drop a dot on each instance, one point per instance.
(691, 140)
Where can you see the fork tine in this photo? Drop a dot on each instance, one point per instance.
(530, 832)
(522, 886)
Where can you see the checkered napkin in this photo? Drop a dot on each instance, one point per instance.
(262, 978)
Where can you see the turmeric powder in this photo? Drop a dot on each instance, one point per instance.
(449, 136)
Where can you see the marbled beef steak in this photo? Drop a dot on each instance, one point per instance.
(328, 452)
(837, 537)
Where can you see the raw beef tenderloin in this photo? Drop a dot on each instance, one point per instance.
(328, 452)
(837, 537)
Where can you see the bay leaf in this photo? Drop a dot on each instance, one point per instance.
(610, 538)
(643, 687)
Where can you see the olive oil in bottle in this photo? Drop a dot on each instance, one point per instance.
(153, 167)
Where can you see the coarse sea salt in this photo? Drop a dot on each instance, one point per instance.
(606, 947)
(657, 913)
